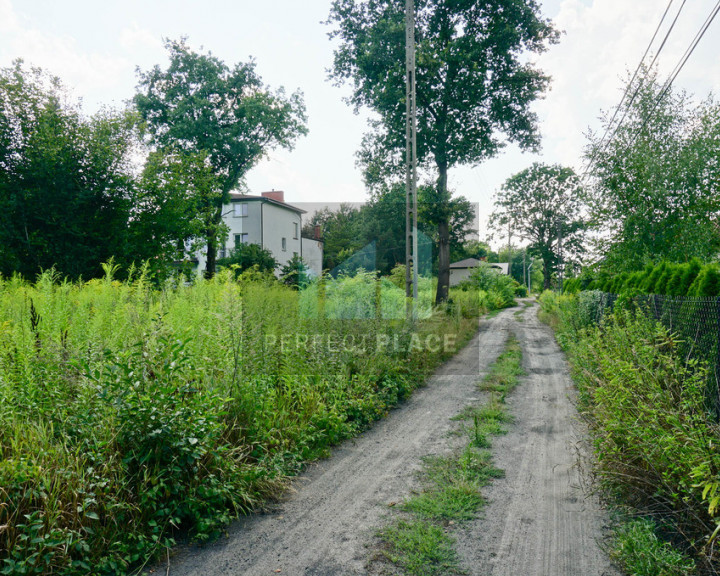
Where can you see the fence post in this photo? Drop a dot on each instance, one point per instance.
(716, 399)
(378, 297)
(655, 309)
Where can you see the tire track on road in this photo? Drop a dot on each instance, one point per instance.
(326, 524)
(538, 521)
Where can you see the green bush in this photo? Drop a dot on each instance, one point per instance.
(245, 256)
(130, 414)
(706, 283)
(690, 272)
(645, 403)
(500, 287)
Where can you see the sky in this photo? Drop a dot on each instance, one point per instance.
(96, 48)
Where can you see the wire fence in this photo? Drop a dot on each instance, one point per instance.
(695, 322)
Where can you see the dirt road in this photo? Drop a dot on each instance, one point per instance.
(537, 522)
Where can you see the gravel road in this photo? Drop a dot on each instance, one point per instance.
(537, 521)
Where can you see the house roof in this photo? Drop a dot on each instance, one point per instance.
(467, 263)
(234, 197)
(502, 266)
(474, 262)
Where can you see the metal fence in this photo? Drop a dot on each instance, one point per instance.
(695, 322)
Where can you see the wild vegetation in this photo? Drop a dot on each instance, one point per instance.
(131, 416)
(654, 435)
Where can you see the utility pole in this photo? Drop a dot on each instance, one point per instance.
(530, 279)
(509, 241)
(411, 240)
(560, 256)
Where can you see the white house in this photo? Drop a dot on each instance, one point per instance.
(462, 270)
(267, 220)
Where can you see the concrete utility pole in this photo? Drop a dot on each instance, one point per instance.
(530, 279)
(411, 244)
(560, 257)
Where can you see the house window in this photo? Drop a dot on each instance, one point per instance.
(223, 252)
(284, 244)
(240, 210)
(296, 230)
(241, 239)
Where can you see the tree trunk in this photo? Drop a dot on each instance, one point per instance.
(547, 273)
(211, 257)
(443, 237)
(212, 242)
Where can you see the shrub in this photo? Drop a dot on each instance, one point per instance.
(690, 272)
(645, 403)
(706, 283)
(245, 256)
(295, 273)
(500, 287)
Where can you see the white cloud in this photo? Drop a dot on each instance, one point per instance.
(98, 76)
(8, 18)
(134, 38)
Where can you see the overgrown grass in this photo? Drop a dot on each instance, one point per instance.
(421, 542)
(640, 552)
(130, 416)
(421, 548)
(503, 375)
(654, 438)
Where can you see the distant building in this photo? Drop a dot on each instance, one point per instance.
(462, 270)
(271, 223)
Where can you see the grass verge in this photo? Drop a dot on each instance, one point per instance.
(420, 541)
(637, 548)
(653, 436)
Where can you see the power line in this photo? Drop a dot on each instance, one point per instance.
(678, 67)
(603, 144)
(690, 50)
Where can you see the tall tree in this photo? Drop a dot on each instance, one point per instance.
(543, 205)
(173, 207)
(656, 183)
(66, 181)
(341, 232)
(474, 87)
(200, 105)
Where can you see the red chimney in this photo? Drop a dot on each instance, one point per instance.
(318, 232)
(277, 195)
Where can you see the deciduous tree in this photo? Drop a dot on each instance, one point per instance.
(543, 205)
(201, 105)
(66, 181)
(656, 183)
(474, 84)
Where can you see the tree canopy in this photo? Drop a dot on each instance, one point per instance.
(66, 182)
(381, 222)
(474, 87)
(200, 105)
(543, 205)
(656, 183)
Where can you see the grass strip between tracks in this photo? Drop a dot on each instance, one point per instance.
(420, 541)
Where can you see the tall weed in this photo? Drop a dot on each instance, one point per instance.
(130, 415)
(654, 439)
